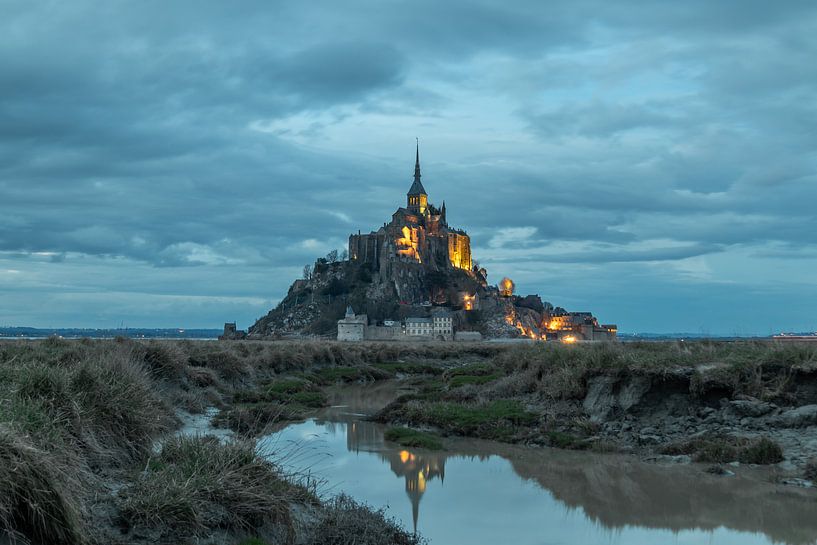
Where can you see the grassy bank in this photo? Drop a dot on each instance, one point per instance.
(79, 421)
(413, 438)
(561, 371)
(549, 393)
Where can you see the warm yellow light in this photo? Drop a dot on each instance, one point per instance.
(506, 287)
(459, 251)
(404, 456)
(421, 482)
(569, 339)
(408, 244)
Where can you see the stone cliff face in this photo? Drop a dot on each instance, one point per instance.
(402, 289)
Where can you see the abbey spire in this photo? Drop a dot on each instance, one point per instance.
(417, 198)
(417, 164)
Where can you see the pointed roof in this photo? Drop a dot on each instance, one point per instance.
(417, 187)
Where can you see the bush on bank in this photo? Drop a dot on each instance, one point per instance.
(197, 485)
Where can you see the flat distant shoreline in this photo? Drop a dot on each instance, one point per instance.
(33, 333)
(93, 333)
(206, 333)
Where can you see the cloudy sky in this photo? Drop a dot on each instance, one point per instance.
(177, 163)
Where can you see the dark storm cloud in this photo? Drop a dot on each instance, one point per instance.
(334, 72)
(151, 141)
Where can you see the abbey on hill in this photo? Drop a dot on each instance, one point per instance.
(419, 252)
(418, 233)
(407, 275)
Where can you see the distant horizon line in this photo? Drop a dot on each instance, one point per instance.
(668, 334)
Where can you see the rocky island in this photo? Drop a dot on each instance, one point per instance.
(415, 267)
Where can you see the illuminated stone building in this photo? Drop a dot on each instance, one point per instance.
(578, 326)
(506, 287)
(469, 301)
(439, 327)
(418, 239)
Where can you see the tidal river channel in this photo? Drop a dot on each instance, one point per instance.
(480, 493)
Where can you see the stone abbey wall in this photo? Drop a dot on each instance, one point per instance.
(417, 233)
(459, 251)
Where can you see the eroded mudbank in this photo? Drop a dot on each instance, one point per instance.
(714, 403)
(664, 412)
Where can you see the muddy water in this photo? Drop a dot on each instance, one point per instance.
(478, 492)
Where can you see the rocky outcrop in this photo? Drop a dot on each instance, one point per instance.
(648, 410)
(751, 407)
(797, 418)
(313, 305)
(607, 395)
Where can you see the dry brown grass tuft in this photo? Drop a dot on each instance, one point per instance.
(68, 410)
(347, 522)
(197, 485)
(760, 369)
(166, 360)
(227, 365)
(119, 405)
(289, 356)
(202, 377)
(37, 494)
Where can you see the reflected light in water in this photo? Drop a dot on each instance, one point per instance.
(506, 494)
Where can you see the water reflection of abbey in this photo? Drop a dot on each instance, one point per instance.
(612, 491)
(416, 467)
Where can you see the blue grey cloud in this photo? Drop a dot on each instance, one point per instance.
(187, 159)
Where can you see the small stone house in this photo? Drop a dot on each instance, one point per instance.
(352, 327)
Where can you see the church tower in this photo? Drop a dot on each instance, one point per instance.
(417, 198)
